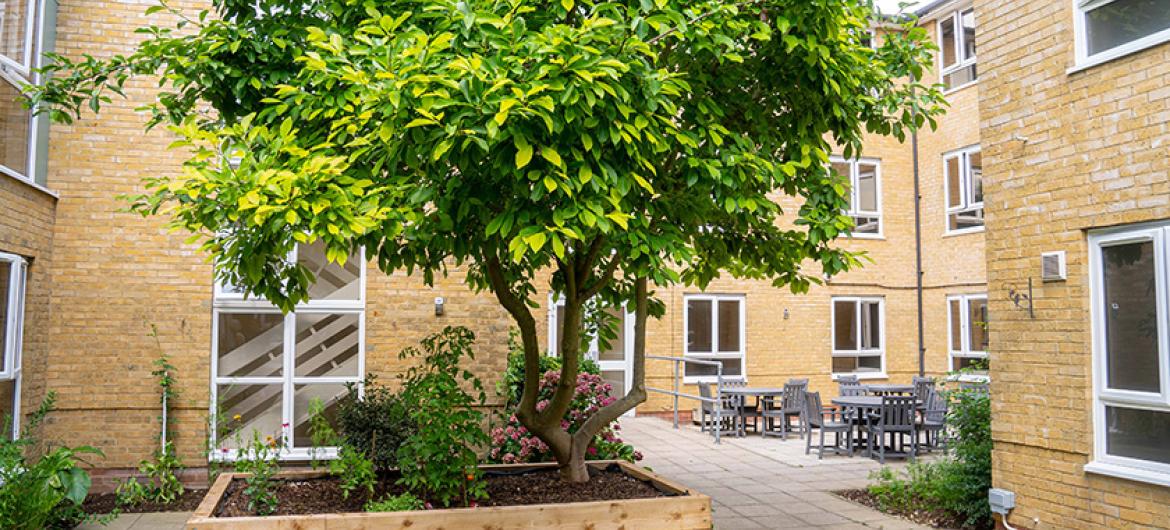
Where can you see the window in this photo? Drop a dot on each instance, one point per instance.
(12, 281)
(956, 35)
(967, 331)
(865, 201)
(859, 336)
(1107, 29)
(20, 49)
(613, 356)
(963, 179)
(1131, 364)
(714, 329)
(268, 367)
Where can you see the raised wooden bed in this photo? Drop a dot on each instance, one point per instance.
(683, 509)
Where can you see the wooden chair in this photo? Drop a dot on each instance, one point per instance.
(815, 415)
(723, 415)
(933, 422)
(896, 418)
(748, 411)
(921, 386)
(791, 406)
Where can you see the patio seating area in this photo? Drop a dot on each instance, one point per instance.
(879, 421)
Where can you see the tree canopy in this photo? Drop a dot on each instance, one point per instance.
(609, 142)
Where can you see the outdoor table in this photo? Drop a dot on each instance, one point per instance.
(760, 393)
(889, 390)
(863, 405)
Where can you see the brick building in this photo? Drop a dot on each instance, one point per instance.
(1075, 107)
(99, 279)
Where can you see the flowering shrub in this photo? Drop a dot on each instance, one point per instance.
(513, 444)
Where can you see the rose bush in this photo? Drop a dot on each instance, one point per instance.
(512, 443)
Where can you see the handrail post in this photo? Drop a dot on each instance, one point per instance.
(719, 399)
(676, 389)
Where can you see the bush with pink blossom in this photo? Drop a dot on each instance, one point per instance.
(513, 444)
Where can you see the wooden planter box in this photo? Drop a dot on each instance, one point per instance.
(688, 510)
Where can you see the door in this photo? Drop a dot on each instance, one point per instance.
(615, 361)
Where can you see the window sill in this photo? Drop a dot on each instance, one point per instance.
(869, 237)
(8, 173)
(877, 375)
(1128, 473)
(695, 380)
(950, 91)
(1121, 51)
(965, 231)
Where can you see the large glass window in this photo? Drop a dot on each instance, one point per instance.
(967, 332)
(963, 180)
(1131, 368)
(20, 38)
(714, 329)
(956, 35)
(269, 367)
(864, 193)
(1111, 28)
(858, 336)
(12, 281)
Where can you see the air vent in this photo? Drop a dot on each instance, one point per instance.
(1052, 267)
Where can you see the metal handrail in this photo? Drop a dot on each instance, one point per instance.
(676, 386)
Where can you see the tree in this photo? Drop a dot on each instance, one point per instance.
(621, 145)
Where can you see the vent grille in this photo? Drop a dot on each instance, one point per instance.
(1052, 267)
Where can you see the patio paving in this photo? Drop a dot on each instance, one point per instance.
(757, 482)
(143, 521)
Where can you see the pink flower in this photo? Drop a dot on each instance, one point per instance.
(593, 451)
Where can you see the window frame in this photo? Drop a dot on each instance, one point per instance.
(965, 185)
(965, 351)
(234, 303)
(17, 74)
(14, 331)
(24, 67)
(715, 354)
(853, 210)
(1102, 462)
(1083, 59)
(859, 352)
(956, 18)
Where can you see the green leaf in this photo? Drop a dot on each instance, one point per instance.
(551, 155)
(567, 4)
(523, 152)
(536, 241)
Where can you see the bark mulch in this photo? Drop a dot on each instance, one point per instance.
(322, 495)
(937, 518)
(106, 503)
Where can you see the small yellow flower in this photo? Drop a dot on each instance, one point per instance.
(470, 477)
(237, 417)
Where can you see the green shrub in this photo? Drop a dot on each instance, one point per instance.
(162, 480)
(439, 460)
(355, 471)
(37, 493)
(376, 423)
(259, 458)
(395, 503)
(958, 483)
(511, 385)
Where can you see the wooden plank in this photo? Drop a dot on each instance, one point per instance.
(687, 511)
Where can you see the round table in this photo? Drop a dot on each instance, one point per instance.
(889, 390)
(760, 393)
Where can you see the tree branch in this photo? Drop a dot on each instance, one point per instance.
(602, 281)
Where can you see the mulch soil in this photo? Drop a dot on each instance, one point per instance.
(107, 502)
(322, 495)
(937, 518)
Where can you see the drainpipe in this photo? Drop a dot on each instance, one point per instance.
(918, 253)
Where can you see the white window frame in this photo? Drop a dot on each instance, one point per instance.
(236, 303)
(965, 350)
(1102, 462)
(715, 354)
(594, 351)
(24, 65)
(853, 210)
(1080, 10)
(19, 73)
(956, 18)
(859, 352)
(966, 190)
(14, 330)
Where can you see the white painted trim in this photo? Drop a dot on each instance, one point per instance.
(11, 348)
(965, 351)
(24, 65)
(880, 352)
(966, 204)
(956, 18)
(1084, 61)
(1102, 462)
(715, 354)
(853, 176)
(626, 366)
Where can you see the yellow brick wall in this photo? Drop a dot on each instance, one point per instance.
(26, 229)
(1094, 156)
